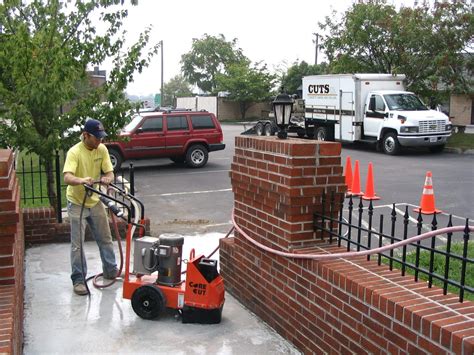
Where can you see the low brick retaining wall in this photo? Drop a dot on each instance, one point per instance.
(11, 258)
(338, 306)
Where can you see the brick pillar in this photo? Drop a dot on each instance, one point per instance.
(278, 185)
(339, 306)
(11, 258)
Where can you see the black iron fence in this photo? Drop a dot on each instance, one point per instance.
(445, 260)
(31, 173)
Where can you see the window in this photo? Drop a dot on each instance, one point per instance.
(177, 123)
(153, 124)
(202, 122)
(379, 104)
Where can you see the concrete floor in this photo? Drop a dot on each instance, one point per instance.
(59, 322)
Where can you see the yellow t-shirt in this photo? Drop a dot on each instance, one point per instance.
(83, 162)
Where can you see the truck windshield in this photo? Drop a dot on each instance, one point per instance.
(404, 102)
(132, 124)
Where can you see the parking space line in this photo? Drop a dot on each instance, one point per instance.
(188, 193)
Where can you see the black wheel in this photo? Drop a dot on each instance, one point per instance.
(148, 302)
(177, 160)
(321, 134)
(259, 129)
(300, 134)
(115, 158)
(268, 130)
(436, 148)
(196, 156)
(390, 144)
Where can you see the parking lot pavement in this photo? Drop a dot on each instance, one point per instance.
(59, 322)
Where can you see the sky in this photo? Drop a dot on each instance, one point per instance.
(275, 32)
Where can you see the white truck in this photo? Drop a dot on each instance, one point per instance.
(370, 108)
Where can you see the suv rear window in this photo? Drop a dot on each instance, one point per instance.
(202, 121)
(177, 123)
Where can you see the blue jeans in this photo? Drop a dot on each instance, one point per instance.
(96, 218)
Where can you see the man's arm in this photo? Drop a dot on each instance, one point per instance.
(71, 179)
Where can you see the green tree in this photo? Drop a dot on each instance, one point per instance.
(291, 80)
(46, 48)
(246, 84)
(428, 44)
(176, 87)
(209, 56)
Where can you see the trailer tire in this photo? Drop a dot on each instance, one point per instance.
(259, 129)
(115, 158)
(148, 302)
(323, 133)
(268, 130)
(390, 144)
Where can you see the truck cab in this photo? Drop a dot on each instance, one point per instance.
(399, 118)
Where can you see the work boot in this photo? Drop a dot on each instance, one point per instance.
(112, 276)
(80, 289)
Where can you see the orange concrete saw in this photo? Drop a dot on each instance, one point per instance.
(154, 281)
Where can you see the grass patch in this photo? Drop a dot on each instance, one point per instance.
(439, 265)
(32, 179)
(461, 140)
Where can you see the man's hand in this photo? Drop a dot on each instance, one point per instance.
(88, 181)
(105, 180)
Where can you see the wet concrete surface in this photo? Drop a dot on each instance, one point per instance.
(59, 322)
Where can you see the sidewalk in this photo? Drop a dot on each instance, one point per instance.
(59, 322)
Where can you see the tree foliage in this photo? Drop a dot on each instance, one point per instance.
(209, 56)
(291, 80)
(246, 84)
(176, 87)
(431, 45)
(46, 48)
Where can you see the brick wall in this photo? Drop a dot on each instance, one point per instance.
(460, 107)
(41, 226)
(11, 258)
(338, 306)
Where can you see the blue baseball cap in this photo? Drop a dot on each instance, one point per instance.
(95, 128)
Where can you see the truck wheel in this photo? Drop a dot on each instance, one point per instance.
(321, 134)
(268, 130)
(259, 129)
(300, 134)
(148, 302)
(390, 144)
(115, 158)
(196, 156)
(436, 148)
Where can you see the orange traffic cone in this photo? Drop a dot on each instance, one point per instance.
(427, 203)
(355, 188)
(369, 186)
(348, 173)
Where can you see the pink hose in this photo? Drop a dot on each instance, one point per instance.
(353, 253)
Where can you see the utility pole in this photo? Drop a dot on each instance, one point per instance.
(316, 48)
(161, 90)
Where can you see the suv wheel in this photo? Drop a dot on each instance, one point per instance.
(115, 158)
(196, 156)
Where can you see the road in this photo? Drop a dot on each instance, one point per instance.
(187, 201)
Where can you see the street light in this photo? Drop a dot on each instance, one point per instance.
(282, 107)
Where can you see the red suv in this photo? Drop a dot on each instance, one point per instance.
(186, 136)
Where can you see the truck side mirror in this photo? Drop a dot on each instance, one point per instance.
(372, 104)
(385, 115)
(139, 130)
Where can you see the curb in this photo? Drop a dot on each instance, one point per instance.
(459, 151)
